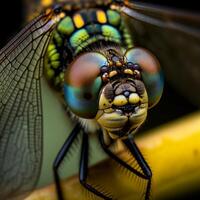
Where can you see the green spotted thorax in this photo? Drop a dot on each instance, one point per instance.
(73, 35)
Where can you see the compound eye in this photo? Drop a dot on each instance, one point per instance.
(150, 70)
(82, 84)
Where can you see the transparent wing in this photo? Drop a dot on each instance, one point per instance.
(174, 37)
(21, 63)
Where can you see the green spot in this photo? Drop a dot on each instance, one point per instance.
(55, 64)
(58, 39)
(130, 46)
(127, 35)
(50, 74)
(129, 40)
(84, 44)
(79, 37)
(52, 52)
(51, 47)
(110, 32)
(66, 26)
(61, 75)
(113, 17)
(55, 57)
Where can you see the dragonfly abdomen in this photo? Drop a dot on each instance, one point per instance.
(79, 31)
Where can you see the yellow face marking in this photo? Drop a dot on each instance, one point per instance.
(128, 71)
(112, 73)
(48, 11)
(78, 21)
(46, 3)
(110, 63)
(62, 15)
(101, 17)
(120, 100)
(134, 98)
(104, 102)
(118, 64)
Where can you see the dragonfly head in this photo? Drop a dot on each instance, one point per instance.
(123, 101)
(116, 89)
(123, 106)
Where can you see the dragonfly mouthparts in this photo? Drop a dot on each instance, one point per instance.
(128, 108)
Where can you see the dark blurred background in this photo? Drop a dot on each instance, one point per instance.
(11, 17)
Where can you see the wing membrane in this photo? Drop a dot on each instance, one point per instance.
(164, 17)
(21, 62)
(174, 37)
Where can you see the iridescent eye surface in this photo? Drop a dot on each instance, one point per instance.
(151, 72)
(82, 84)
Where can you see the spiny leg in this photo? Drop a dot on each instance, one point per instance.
(117, 159)
(139, 158)
(60, 157)
(131, 145)
(83, 171)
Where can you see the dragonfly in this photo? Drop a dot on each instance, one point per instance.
(86, 51)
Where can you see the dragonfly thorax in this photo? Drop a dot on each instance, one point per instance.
(82, 31)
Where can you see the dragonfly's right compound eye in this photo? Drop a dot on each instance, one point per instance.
(150, 70)
(83, 83)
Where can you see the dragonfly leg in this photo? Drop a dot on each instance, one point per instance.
(131, 145)
(117, 159)
(83, 171)
(139, 158)
(60, 156)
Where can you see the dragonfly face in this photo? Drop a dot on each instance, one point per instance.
(86, 51)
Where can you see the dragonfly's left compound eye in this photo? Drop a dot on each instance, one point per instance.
(82, 84)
